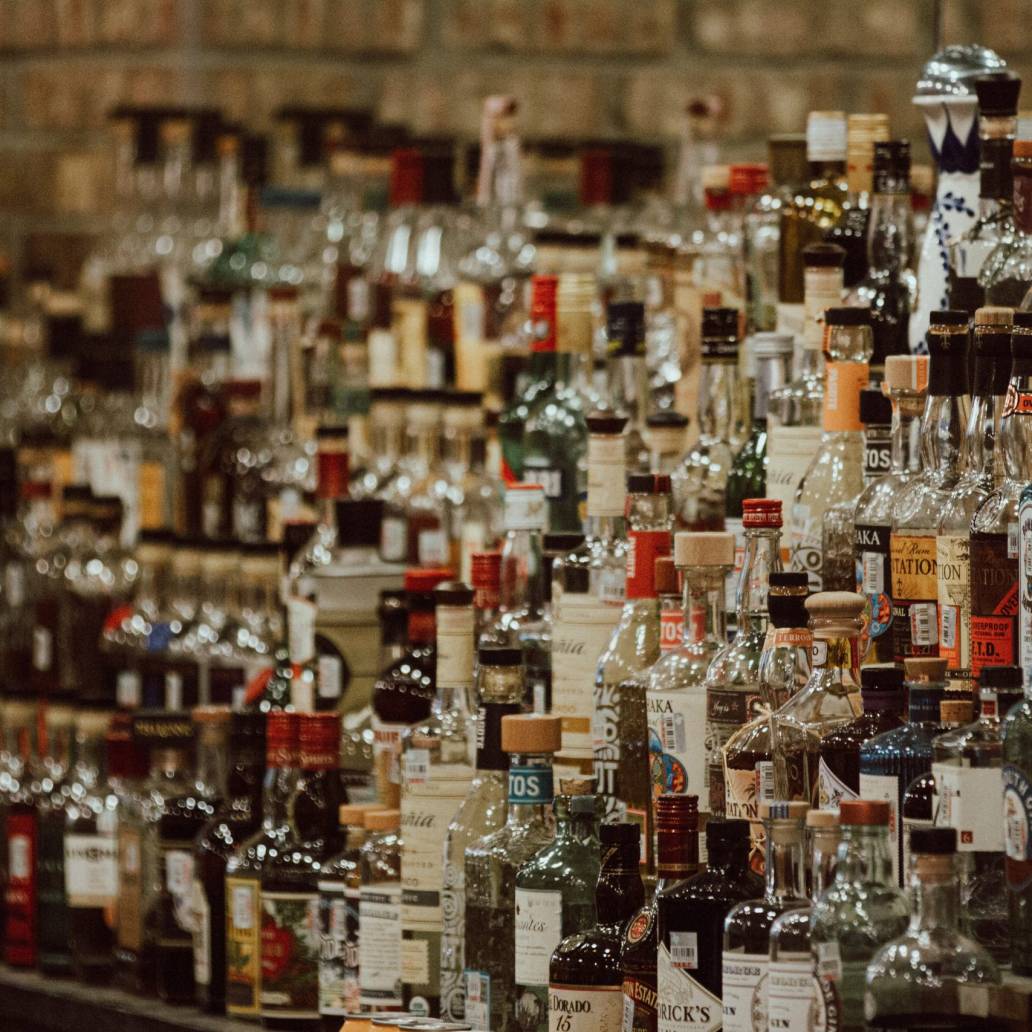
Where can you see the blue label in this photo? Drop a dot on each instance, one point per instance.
(159, 637)
(531, 786)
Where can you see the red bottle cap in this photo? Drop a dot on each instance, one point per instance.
(423, 579)
(868, 812)
(761, 512)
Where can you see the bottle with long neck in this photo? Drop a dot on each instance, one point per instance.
(331, 486)
(521, 602)
(1005, 274)
(982, 469)
(919, 503)
(732, 680)
(995, 524)
(628, 376)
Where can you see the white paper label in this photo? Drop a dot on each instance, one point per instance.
(455, 647)
(684, 950)
(684, 1005)
(301, 614)
(964, 803)
(539, 929)
(819, 653)
(417, 767)
(379, 910)
(790, 450)
(745, 990)
(792, 998)
(478, 999)
(676, 720)
(584, 1008)
(393, 539)
(612, 586)
(924, 623)
(885, 787)
(873, 565)
(329, 677)
(432, 546)
(91, 870)
(607, 478)
(201, 935)
(525, 508)
(831, 788)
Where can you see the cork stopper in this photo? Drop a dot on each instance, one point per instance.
(1022, 149)
(822, 819)
(957, 711)
(576, 786)
(666, 576)
(353, 815)
(383, 820)
(925, 668)
(531, 733)
(835, 613)
(906, 372)
(704, 548)
(866, 812)
(994, 315)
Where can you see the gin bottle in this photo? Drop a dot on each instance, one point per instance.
(919, 503)
(836, 472)
(491, 866)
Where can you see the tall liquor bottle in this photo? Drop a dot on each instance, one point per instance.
(436, 775)
(1005, 274)
(836, 473)
(992, 347)
(585, 981)
(483, 811)
(919, 503)
(379, 914)
(521, 600)
(690, 919)
(732, 680)
(628, 376)
(619, 735)
(994, 527)
(491, 866)
(1017, 811)
(906, 377)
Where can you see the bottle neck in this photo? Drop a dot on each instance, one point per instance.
(785, 870)
(889, 235)
(244, 783)
(718, 392)
(520, 587)
(906, 412)
(705, 615)
(772, 373)
(762, 557)
(864, 856)
(677, 852)
(212, 761)
(619, 894)
(823, 861)
(984, 424)
(628, 377)
(934, 888)
(942, 433)
(285, 332)
(530, 789)
(422, 626)
(1016, 425)
(454, 660)
(424, 447)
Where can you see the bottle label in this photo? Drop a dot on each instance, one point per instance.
(963, 793)
(873, 576)
(818, 653)
(726, 711)
(843, 384)
(539, 929)
(178, 869)
(338, 949)
(549, 480)
(790, 450)
(585, 1008)
(684, 1004)
(915, 591)
(290, 955)
(531, 785)
(329, 676)
(379, 918)
(387, 757)
(793, 1001)
(677, 756)
(671, 629)
(994, 602)
(877, 457)
(744, 985)
(20, 891)
(807, 544)
(201, 935)
(640, 1005)
(607, 478)
(1017, 827)
(478, 999)
(91, 870)
(301, 614)
(885, 787)
(394, 539)
(953, 572)
(455, 647)
(432, 546)
(1025, 584)
(525, 509)
(243, 946)
(129, 933)
(605, 733)
(831, 788)
(612, 587)
(644, 547)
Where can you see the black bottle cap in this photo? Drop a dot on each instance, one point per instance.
(462, 399)
(625, 328)
(788, 579)
(358, 522)
(824, 256)
(937, 841)
(453, 593)
(335, 431)
(605, 423)
(948, 317)
(855, 315)
(499, 655)
(720, 322)
(561, 543)
(648, 483)
(875, 408)
(997, 94)
(620, 833)
(1001, 677)
(576, 579)
(787, 610)
(723, 833)
(666, 418)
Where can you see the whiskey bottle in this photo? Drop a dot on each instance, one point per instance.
(677, 835)
(747, 927)
(379, 914)
(585, 981)
(690, 921)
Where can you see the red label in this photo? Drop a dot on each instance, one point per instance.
(290, 954)
(994, 602)
(671, 628)
(644, 548)
(20, 895)
(992, 642)
(333, 474)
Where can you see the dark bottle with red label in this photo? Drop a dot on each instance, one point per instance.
(677, 834)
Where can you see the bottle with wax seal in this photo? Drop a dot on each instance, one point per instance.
(675, 697)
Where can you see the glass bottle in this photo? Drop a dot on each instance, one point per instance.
(436, 775)
(1006, 273)
(732, 679)
(916, 979)
(627, 374)
(676, 698)
(332, 474)
(244, 866)
(379, 913)
(861, 910)
(995, 524)
(421, 491)
(235, 821)
(619, 735)
(967, 767)
(906, 377)
(919, 502)
(891, 761)
(491, 866)
(747, 927)
(483, 811)
(486, 573)
(793, 997)
(526, 516)
(690, 919)
(671, 610)
(555, 898)
(585, 979)
(290, 881)
(784, 670)
(667, 435)
(838, 767)
(836, 472)
(677, 836)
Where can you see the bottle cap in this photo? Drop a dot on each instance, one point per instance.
(1001, 677)
(925, 668)
(948, 317)
(353, 815)
(998, 94)
(577, 786)
(605, 424)
(840, 608)
(666, 576)
(576, 580)
(761, 512)
(747, 178)
(824, 256)
(420, 581)
(784, 810)
(788, 580)
(675, 811)
(826, 136)
(847, 316)
(994, 315)
(704, 548)
(453, 593)
(383, 820)
(1022, 320)
(875, 408)
(938, 841)
(822, 818)
(865, 812)
(648, 483)
(724, 833)
(486, 570)
(668, 418)
(584, 803)
(531, 733)
(499, 656)
(885, 678)
(619, 833)
(906, 372)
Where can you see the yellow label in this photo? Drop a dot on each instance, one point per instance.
(408, 323)
(152, 495)
(912, 557)
(243, 946)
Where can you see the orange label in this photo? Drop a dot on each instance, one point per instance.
(913, 562)
(842, 395)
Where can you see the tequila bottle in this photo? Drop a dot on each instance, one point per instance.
(491, 866)
(906, 377)
(994, 527)
(919, 502)
(860, 911)
(483, 811)
(917, 978)
(747, 927)
(836, 472)
(732, 680)
(555, 898)
(379, 913)
(1017, 808)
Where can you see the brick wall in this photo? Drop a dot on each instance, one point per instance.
(579, 67)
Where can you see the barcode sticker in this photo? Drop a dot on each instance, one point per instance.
(948, 626)
(765, 777)
(874, 573)
(671, 731)
(417, 766)
(684, 950)
(242, 901)
(1013, 540)
(924, 623)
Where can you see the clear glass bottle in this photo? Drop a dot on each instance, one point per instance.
(486, 572)
(732, 679)
(526, 515)
(555, 898)
(628, 378)
(906, 377)
(746, 947)
(491, 866)
(483, 811)
(915, 979)
(920, 501)
(379, 913)
(667, 435)
(836, 472)
(1007, 271)
(860, 911)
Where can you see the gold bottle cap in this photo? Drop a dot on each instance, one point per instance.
(838, 612)
(925, 668)
(906, 372)
(822, 819)
(704, 548)
(576, 786)
(383, 820)
(956, 711)
(531, 733)
(354, 814)
(994, 315)
(868, 812)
